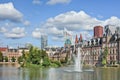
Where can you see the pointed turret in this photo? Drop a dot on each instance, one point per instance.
(80, 37)
(76, 39)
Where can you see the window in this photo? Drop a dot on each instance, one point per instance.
(113, 51)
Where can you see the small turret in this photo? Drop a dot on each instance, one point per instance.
(76, 39)
(80, 37)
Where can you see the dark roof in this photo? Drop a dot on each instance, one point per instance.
(113, 38)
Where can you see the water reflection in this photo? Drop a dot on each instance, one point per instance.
(61, 74)
(10, 72)
(33, 74)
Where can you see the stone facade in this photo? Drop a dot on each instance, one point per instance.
(12, 52)
(93, 49)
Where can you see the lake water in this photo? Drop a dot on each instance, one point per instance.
(10, 72)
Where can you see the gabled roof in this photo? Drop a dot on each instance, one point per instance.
(3, 49)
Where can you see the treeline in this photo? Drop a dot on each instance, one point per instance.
(36, 57)
(4, 59)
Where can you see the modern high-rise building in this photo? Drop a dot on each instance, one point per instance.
(98, 31)
(44, 41)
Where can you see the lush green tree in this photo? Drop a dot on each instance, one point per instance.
(103, 61)
(46, 62)
(104, 56)
(105, 52)
(23, 54)
(1, 57)
(35, 56)
(6, 59)
(13, 59)
(20, 59)
(30, 54)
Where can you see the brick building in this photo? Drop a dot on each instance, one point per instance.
(12, 52)
(94, 48)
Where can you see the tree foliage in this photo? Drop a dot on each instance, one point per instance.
(13, 59)
(1, 57)
(20, 59)
(6, 59)
(35, 56)
(104, 56)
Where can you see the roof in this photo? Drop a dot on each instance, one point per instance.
(3, 48)
(68, 41)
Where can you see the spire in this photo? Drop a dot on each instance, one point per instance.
(80, 37)
(76, 39)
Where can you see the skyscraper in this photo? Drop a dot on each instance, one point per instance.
(44, 41)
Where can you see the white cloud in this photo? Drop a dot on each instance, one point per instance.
(113, 21)
(54, 31)
(75, 23)
(52, 2)
(26, 23)
(36, 2)
(86, 35)
(16, 32)
(3, 30)
(54, 38)
(38, 32)
(8, 12)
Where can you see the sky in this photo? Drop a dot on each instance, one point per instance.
(24, 21)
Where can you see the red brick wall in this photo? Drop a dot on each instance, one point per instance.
(98, 31)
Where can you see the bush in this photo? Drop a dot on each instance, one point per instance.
(13, 59)
(20, 59)
(6, 59)
(1, 57)
(46, 62)
(56, 63)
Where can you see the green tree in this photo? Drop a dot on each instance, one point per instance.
(103, 61)
(35, 56)
(30, 54)
(6, 59)
(1, 57)
(20, 59)
(104, 57)
(46, 62)
(106, 52)
(13, 59)
(23, 54)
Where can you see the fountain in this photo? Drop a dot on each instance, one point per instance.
(78, 62)
(78, 66)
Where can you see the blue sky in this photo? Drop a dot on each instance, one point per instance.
(24, 21)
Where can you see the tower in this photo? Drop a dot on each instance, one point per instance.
(76, 39)
(80, 37)
(98, 31)
(44, 41)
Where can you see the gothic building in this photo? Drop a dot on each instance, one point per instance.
(93, 49)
